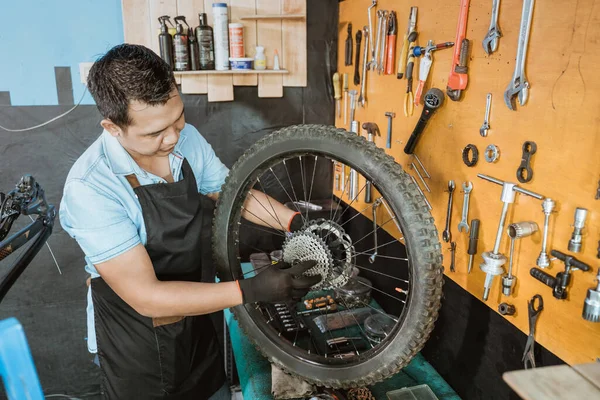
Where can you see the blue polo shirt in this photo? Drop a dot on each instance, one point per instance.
(100, 210)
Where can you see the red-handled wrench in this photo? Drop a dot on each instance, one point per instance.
(457, 81)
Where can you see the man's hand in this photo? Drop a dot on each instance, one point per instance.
(279, 282)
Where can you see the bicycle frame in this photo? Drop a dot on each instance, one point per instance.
(28, 198)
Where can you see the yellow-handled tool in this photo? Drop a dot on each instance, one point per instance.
(337, 95)
(412, 24)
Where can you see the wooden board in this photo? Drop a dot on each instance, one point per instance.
(590, 371)
(269, 36)
(561, 116)
(196, 84)
(294, 47)
(136, 22)
(559, 382)
(220, 87)
(240, 8)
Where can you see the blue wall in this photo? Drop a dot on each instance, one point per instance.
(38, 35)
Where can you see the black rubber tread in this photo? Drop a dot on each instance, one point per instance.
(420, 235)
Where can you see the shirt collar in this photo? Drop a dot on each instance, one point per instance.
(121, 162)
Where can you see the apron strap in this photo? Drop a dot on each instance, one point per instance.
(133, 181)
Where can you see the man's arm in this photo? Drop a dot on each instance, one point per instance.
(264, 210)
(132, 277)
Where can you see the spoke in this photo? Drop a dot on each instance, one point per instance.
(284, 189)
(259, 228)
(374, 288)
(348, 206)
(359, 327)
(312, 182)
(303, 183)
(372, 231)
(274, 215)
(383, 245)
(293, 191)
(382, 256)
(257, 217)
(380, 312)
(379, 273)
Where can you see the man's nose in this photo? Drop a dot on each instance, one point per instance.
(171, 137)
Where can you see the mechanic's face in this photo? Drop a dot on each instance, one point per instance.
(154, 130)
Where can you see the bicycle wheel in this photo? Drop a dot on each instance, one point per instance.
(403, 272)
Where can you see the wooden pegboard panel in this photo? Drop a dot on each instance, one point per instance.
(562, 116)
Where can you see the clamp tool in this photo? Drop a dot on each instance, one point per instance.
(412, 24)
(425, 64)
(457, 81)
(528, 355)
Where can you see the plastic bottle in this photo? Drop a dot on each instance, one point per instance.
(204, 35)
(221, 36)
(236, 40)
(165, 41)
(260, 61)
(194, 52)
(180, 47)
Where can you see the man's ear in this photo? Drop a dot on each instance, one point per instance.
(111, 127)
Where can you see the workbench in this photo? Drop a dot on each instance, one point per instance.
(254, 371)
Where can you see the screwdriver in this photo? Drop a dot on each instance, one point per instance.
(336, 90)
(345, 86)
(473, 238)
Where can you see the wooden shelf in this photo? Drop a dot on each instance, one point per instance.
(275, 16)
(234, 72)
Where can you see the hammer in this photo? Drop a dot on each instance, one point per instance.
(389, 115)
(372, 129)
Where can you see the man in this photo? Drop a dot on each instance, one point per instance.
(133, 202)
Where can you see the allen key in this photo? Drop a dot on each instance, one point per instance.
(413, 166)
(421, 164)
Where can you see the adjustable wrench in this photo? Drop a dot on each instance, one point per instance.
(370, 32)
(463, 224)
(362, 98)
(490, 41)
(519, 86)
(383, 45)
(374, 64)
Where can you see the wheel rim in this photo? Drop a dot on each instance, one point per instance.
(256, 312)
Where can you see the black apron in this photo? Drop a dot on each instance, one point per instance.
(160, 358)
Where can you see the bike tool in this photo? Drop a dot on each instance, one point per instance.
(348, 49)
(493, 261)
(473, 239)
(337, 95)
(357, 60)
(490, 42)
(534, 312)
(345, 89)
(411, 26)
(560, 283)
(372, 129)
(392, 33)
(591, 305)
(515, 231)
(434, 99)
(410, 64)
(425, 64)
(457, 81)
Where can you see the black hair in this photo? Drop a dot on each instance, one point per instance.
(129, 72)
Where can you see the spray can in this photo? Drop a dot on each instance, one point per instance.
(204, 35)
(165, 41)
(181, 46)
(221, 36)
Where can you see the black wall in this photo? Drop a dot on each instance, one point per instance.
(51, 307)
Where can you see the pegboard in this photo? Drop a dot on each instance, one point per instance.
(561, 116)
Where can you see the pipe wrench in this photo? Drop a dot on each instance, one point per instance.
(457, 81)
